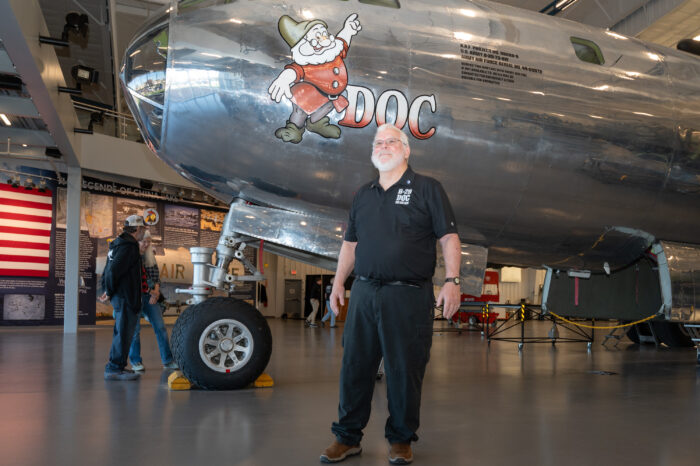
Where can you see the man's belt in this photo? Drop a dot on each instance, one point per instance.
(378, 282)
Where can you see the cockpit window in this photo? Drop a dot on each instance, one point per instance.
(384, 3)
(587, 51)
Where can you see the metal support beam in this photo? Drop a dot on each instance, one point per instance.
(72, 289)
(21, 24)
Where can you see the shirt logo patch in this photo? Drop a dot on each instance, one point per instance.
(404, 196)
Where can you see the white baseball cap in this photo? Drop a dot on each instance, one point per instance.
(134, 221)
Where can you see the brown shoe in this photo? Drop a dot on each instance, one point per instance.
(338, 452)
(400, 453)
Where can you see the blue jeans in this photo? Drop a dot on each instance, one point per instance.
(329, 313)
(155, 317)
(125, 320)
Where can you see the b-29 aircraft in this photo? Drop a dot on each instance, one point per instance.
(560, 145)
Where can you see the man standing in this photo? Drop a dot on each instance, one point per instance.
(315, 300)
(124, 281)
(390, 243)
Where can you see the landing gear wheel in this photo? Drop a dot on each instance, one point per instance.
(222, 343)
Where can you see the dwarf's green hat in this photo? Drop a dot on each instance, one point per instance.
(292, 32)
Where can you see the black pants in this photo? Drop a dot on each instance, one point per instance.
(394, 322)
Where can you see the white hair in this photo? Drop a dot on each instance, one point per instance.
(149, 256)
(402, 135)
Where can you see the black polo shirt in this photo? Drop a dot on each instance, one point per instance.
(396, 230)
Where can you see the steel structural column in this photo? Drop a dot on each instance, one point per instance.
(72, 288)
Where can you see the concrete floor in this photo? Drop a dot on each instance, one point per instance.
(480, 406)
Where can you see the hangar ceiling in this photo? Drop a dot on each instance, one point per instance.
(660, 21)
(23, 132)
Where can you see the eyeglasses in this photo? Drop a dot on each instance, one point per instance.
(387, 142)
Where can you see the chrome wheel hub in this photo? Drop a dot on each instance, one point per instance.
(226, 345)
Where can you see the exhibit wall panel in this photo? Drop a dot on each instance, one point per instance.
(33, 251)
(33, 243)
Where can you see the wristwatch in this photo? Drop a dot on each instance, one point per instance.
(454, 280)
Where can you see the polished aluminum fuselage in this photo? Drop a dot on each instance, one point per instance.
(547, 169)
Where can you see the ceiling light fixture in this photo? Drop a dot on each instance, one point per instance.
(5, 120)
(84, 74)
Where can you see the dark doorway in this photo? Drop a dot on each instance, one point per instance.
(292, 299)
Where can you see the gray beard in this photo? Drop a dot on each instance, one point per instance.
(388, 166)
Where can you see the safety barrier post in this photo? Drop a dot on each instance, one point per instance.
(522, 325)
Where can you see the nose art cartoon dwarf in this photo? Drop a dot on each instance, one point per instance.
(317, 77)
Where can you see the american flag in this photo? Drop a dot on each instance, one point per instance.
(25, 231)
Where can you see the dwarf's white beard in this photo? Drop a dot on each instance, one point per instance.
(388, 165)
(316, 59)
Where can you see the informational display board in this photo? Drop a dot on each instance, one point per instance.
(33, 244)
(33, 251)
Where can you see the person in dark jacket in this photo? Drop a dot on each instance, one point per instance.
(315, 300)
(124, 279)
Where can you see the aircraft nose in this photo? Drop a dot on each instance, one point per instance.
(143, 79)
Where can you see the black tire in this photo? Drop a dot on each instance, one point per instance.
(672, 334)
(473, 321)
(240, 316)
